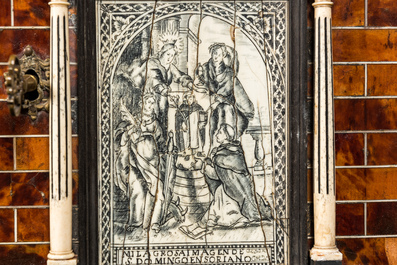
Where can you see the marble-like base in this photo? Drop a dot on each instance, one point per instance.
(72, 261)
(325, 256)
(326, 262)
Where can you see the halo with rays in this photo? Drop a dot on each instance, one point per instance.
(170, 37)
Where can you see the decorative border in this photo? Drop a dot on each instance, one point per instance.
(273, 45)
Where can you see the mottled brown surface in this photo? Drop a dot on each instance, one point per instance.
(349, 149)
(75, 190)
(75, 153)
(366, 184)
(382, 149)
(6, 225)
(350, 219)
(32, 153)
(30, 188)
(72, 46)
(3, 93)
(349, 114)
(23, 124)
(382, 80)
(33, 225)
(73, 81)
(381, 183)
(6, 154)
(363, 251)
(350, 184)
(381, 114)
(31, 13)
(349, 80)
(5, 14)
(348, 13)
(365, 114)
(18, 39)
(382, 218)
(391, 249)
(371, 45)
(24, 254)
(382, 13)
(5, 189)
(310, 13)
(24, 189)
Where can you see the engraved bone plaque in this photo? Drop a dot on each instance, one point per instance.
(193, 132)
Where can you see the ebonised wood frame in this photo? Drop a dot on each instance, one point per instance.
(87, 131)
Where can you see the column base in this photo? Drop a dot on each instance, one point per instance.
(325, 256)
(61, 258)
(326, 262)
(72, 261)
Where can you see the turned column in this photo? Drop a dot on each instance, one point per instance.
(324, 250)
(60, 139)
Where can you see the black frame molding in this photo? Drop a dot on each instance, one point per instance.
(87, 131)
(88, 140)
(298, 132)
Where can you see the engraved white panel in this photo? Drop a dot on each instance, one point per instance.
(192, 115)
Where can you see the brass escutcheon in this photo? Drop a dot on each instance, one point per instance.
(27, 83)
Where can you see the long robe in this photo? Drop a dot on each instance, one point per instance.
(194, 136)
(235, 109)
(229, 171)
(138, 172)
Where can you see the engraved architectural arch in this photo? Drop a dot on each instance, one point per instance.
(192, 114)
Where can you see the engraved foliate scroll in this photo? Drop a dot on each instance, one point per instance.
(192, 114)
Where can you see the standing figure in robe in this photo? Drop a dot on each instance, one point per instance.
(190, 119)
(138, 161)
(139, 168)
(151, 80)
(156, 74)
(230, 102)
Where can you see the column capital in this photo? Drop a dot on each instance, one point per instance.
(59, 3)
(323, 4)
